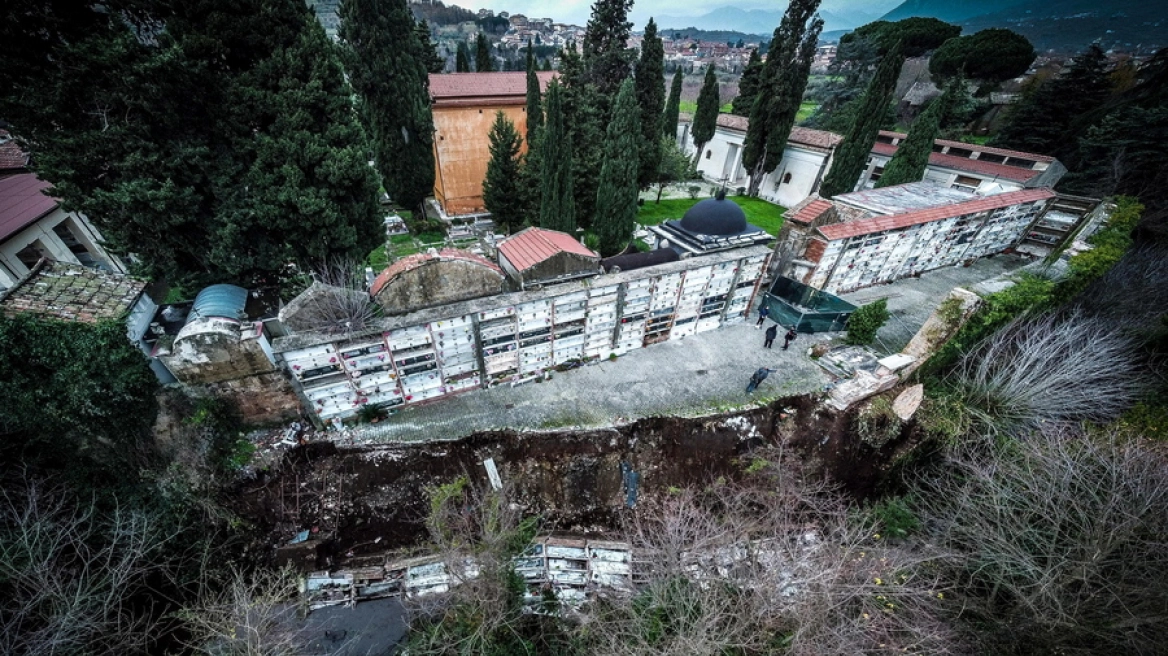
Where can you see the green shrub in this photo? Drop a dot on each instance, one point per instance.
(865, 321)
(896, 517)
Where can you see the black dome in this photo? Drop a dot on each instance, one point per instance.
(715, 216)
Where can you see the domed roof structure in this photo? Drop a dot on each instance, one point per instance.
(715, 216)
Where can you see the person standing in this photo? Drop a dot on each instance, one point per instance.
(789, 337)
(757, 378)
(763, 313)
(771, 334)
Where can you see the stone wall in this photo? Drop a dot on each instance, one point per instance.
(217, 350)
(437, 282)
(261, 399)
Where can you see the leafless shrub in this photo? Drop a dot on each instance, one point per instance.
(1049, 370)
(335, 303)
(253, 615)
(1059, 542)
(68, 574)
(778, 562)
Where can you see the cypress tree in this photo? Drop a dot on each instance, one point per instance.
(852, 156)
(616, 196)
(780, 89)
(462, 58)
(433, 61)
(532, 167)
(386, 68)
(557, 209)
(533, 110)
(585, 115)
(673, 107)
(606, 53)
(705, 119)
(912, 156)
(650, 81)
(547, 64)
(748, 85)
(483, 60)
(501, 193)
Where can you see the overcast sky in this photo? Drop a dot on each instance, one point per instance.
(576, 11)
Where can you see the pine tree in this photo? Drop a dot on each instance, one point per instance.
(430, 57)
(673, 107)
(1042, 122)
(462, 58)
(650, 81)
(912, 156)
(386, 68)
(748, 85)
(501, 193)
(557, 209)
(483, 60)
(616, 196)
(705, 120)
(606, 55)
(780, 90)
(852, 155)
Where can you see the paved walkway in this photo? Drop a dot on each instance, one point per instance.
(698, 375)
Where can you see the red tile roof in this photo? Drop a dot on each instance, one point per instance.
(416, 260)
(965, 164)
(814, 251)
(810, 211)
(465, 89)
(529, 247)
(896, 221)
(22, 203)
(11, 156)
(979, 149)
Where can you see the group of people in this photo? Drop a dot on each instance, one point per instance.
(771, 333)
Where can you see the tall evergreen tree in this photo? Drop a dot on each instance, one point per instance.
(585, 115)
(705, 120)
(557, 208)
(1042, 122)
(434, 62)
(484, 63)
(780, 89)
(748, 85)
(852, 155)
(650, 81)
(462, 58)
(533, 109)
(547, 64)
(673, 107)
(501, 192)
(616, 196)
(532, 167)
(606, 53)
(912, 156)
(387, 71)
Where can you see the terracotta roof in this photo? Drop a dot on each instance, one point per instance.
(22, 203)
(416, 260)
(991, 169)
(802, 136)
(503, 87)
(914, 217)
(809, 210)
(529, 247)
(71, 292)
(978, 149)
(814, 251)
(11, 156)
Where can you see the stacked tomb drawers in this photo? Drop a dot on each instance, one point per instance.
(456, 346)
(570, 317)
(322, 375)
(534, 323)
(600, 321)
(498, 337)
(634, 315)
(689, 302)
(748, 274)
(416, 360)
(717, 293)
(662, 308)
(371, 372)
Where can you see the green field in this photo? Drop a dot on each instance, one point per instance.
(805, 110)
(691, 107)
(767, 216)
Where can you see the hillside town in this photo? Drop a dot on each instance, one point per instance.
(399, 327)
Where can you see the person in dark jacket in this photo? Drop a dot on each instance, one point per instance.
(771, 334)
(757, 378)
(763, 313)
(789, 337)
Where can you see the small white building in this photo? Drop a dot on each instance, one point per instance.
(798, 175)
(33, 226)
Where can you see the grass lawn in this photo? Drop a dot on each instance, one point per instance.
(691, 107)
(767, 216)
(805, 110)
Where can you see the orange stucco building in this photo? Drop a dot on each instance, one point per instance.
(464, 106)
